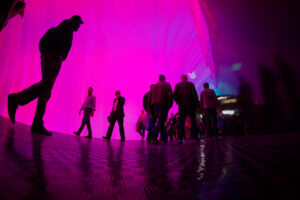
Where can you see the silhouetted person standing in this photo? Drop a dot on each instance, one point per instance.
(245, 103)
(9, 9)
(117, 114)
(290, 83)
(185, 96)
(54, 48)
(89, 106)
(150, 115)
(161, 100)
(209, 104)
(273, 111)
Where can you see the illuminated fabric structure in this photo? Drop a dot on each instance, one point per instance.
(122, 45)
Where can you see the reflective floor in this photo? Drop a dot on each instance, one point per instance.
(70, 167)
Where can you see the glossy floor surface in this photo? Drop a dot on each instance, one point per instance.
(69, 167)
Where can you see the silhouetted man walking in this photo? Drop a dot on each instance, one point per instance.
(209, 104)
(185, 96)
(117, 114)
(161, 100)
(88, 107)
(54, 48)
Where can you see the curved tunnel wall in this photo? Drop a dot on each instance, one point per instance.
(122, 45)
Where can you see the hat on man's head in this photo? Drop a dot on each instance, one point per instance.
(77, 18)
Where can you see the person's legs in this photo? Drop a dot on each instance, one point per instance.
(164, 136)
(38, 123)
(192, 114)
(24, 97)
(160, 112)
(41, 108)
(214, 118)
(81, 127)
(50, 67)
(142, 130)
(87, 114)
(121, 128)
(157, 112)
(182, 117)
(211, 121)
(150, 129)
(111, 126)
(207, 123)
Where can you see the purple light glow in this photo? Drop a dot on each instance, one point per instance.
(122, 45)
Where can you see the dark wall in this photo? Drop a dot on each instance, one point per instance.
(249, 32)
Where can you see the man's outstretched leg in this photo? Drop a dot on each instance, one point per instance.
(38, 123)
(41, 90)
(24, 97)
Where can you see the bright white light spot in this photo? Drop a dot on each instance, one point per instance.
(228, 112)
(223, 97)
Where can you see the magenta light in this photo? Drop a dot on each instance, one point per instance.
(122, 45)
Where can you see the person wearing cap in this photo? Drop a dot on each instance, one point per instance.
(54, 47)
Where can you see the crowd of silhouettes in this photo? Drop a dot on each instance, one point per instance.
(186, 124)
(279, 86)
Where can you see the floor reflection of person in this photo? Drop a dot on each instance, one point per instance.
(115, 163)
(32, 167)
(54, 48)
(117, 114)
(85, 164)
(88, 107)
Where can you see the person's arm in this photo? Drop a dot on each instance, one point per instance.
(81, 107)
(176, 93)
(145, 103)
(123, 101)
(201, 101)
(170, 96)
(93, 106)
(80, 110)
(66, 48)
(65, 38)
(195, 95)
(149, 98)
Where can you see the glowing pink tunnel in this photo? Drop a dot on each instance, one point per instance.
(122, 45)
